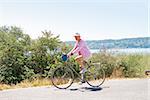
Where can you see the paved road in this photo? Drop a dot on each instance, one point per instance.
(111, 90)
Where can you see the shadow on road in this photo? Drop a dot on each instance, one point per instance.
(84, 89)
(81, 88)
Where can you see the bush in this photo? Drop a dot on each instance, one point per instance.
(107, 62)
(21, 58)
(123, 65)
(135, 65)
(12, 65)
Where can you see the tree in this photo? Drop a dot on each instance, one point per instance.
(22, 58)
(12, 60)
(41, 51)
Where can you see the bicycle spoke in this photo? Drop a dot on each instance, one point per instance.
(95, 76)
(62, 78)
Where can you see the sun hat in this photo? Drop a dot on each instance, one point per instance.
(76, 34)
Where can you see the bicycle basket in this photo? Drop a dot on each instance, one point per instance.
(64, 57)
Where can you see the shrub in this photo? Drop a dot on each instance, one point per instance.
(123, 65)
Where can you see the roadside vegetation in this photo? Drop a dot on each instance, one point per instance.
(123, 65)
(26, 63)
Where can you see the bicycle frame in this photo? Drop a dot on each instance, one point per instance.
(68, 65)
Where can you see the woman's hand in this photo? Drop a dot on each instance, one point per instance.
(69, 54)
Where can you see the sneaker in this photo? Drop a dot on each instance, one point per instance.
(81, 82)
(147, 72)
(83, 71)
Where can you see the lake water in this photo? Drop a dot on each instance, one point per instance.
(128, 51)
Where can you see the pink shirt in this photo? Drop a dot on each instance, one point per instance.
(81, 48)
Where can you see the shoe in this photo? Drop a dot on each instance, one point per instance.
(81, 82)
(147, 72)
(83, 71)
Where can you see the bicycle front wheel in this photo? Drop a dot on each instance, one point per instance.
(62, 77)
(95, 76)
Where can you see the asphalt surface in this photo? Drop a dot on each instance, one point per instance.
(131, 89)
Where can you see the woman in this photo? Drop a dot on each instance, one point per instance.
(83, 52)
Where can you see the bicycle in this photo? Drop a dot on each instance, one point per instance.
(64, 75)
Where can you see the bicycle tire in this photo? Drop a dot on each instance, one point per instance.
(100, 77)
(62, 70)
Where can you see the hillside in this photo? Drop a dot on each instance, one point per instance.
(143, 42)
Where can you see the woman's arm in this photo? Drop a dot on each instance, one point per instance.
(75, 46)
(78, 48)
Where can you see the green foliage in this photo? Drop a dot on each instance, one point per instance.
(22, 58)
(135, 65)
(12, 60)
(124, 65)
(43, 53)
(107, 61)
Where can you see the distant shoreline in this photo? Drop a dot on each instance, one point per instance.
(143, 42)
(112, 39)
(124, 50)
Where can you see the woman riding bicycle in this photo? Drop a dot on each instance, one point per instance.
(83, 52)
(94, 76)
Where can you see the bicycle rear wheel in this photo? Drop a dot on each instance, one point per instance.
(95, 76)
(62, 77)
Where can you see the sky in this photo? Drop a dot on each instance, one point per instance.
(93, 19)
